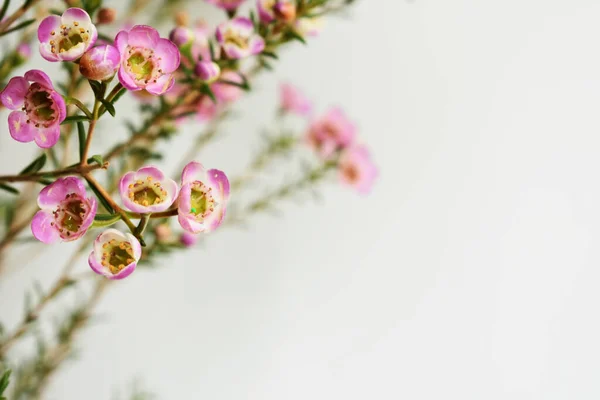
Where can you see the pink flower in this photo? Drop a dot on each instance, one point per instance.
(208, 71)
(206, 109)
(226, 92)
(270, 10)
(147, 190)
(181, 36)
(357, 169)
(66, 38)
(188, 239)
(238, 39)
(331, 132)
(147, 60)
(38, 109)
(309, 26)
(100, 63)
(23, 51)
(226, 4)
(115, 254)
(66, 213)
(294, 101)
(203, 198)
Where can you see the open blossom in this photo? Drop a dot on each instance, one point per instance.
(100, 63)
(147, 60)
(115, 254)
(38, 109)
(238, 39)
(67, 37)
(333, 131)
(270, 10)
(66, 211)
(147, 190)
(294, 101)
(203, 198)
(357, 169)
(226, 4)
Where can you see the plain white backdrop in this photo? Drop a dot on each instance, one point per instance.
(471, 272)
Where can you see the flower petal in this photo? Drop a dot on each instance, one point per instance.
(35, 75)
(47, 53)
(143, 36)
(19, 129)
(47, 26)
(75, 14)
(162, 85)
(47, 137)
(193, 171)
(53, 194)
(13, 95)
(42, 229)
(219, 181)
(126, 80)
(121, 41)
(169, 54)
(59, 106)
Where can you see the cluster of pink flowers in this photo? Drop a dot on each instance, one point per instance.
(67, 213)
(334, 135)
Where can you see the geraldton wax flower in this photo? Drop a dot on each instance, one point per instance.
(67, 37)
(332, 132)
(100, 63)
(203, 198)
(357, 169)
(238, 38)
(147, 190)
(226, 4)
(271, 10)
(294, 101)
(66, 211)
(147, 60)
(38, 109)
(115, 254)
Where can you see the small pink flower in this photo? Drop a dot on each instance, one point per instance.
(294, 101)
(270, 10)
(147, 60)
(115, 254)
(203, 198)
(38, 109)
(332, 132)
(188, 239)
(23, 51)
(208, 71)
(238, 38)
(66, 213)
(181, 36)
(66, 38)
(226, 92)
(357, 169)
(226, 4)
(206, 109)
(147, 190)
(100, 63)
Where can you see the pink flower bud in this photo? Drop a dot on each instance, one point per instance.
(208, 71)
(24, 51)
(188, 239)
(100, 63)
(106, 15)
(181, 36)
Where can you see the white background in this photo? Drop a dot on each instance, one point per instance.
(471, 272)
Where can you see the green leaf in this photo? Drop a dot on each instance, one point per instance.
(102, 200)
(208, 91)
(22, 25)
(35, 165)
(97, 158)
(109, 107)
(4, 8)
(74, 118)
(98, 88)
(270, 55)
(295, 35)
(104, 220)
(119, 94)
(82, 137)
(8, 188)
(4, 381)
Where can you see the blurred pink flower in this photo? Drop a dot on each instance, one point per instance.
(238, 38)
(330, 133)
(357, 169)
(226, 4)
(294, 101)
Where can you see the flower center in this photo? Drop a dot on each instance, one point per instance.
(69, 215)
(202, 201)
(147, 193)
(231, 37)
(39, 106)
(351, 173)
(116, 255)
(68, 37)
(142, 65)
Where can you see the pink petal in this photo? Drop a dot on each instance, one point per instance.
(152, 171)
(121, 41)
(189, 224)
(47, 26)
(143, 36)
(47, 137)
(219, 180)
(97, 266)
(162, 85)
(53, 194)
(75, 14)
(42, 229)
(59, 106)
(18, 127)
(13, 95)
(169, 54)
(35, 75)
(46, 53)
(194, 171)
(126, 80)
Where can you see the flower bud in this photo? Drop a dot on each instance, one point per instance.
(106, 16)
(188, 239)
(100, 63)
(23, 52)
(208, 71)
(285, 11)
(181, 36)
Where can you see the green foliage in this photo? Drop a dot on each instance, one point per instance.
(35, 165)
(8, 188)
(82, 138)
(4, 381)
(20, 26)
